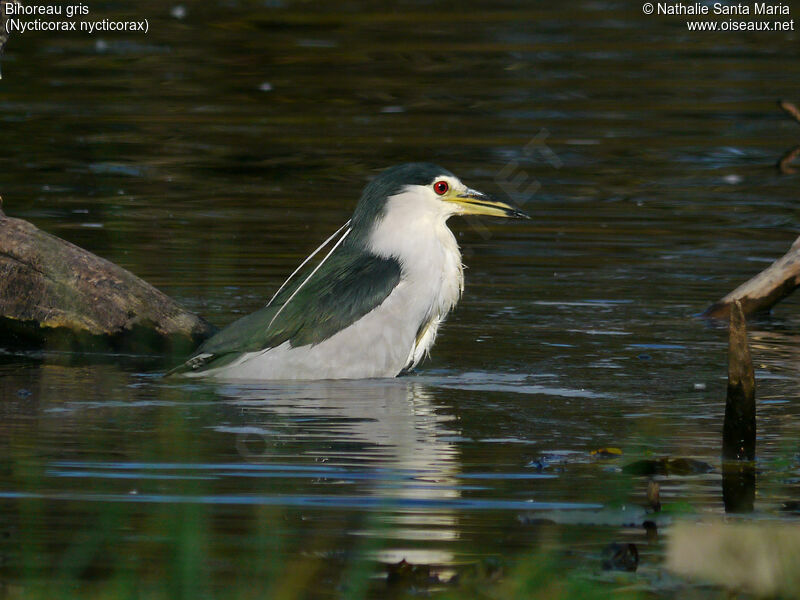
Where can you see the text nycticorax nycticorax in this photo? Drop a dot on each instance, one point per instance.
(371, 307)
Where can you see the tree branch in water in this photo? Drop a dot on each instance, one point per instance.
(762, 292)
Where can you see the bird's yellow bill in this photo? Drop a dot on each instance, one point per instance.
(473, 202)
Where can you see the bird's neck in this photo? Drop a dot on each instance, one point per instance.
(416, 235)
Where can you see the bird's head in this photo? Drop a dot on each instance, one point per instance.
(425, 190)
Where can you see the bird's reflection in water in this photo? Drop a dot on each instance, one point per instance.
(386, 438)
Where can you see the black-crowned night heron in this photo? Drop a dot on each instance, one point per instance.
(372, 306)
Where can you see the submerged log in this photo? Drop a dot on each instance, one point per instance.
(56, 294)
(762, 292)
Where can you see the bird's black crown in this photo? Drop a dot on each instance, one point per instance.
(388, 183)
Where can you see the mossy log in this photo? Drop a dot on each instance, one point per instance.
(762, 292)
(3, 28)
(56, 294)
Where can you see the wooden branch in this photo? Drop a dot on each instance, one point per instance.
(739, 426)
(739, 429)
(791, 109)
(53, 291)
(787, 159)
(763, 291)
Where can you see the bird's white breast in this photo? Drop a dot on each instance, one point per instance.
(414, 231)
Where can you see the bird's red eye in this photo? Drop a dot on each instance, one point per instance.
(441, 187)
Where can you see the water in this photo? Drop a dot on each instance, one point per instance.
(210, 156)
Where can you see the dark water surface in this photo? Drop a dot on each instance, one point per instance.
(211, 155)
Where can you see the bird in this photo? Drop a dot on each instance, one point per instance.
(372, 306)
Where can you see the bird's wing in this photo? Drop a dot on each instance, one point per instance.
(348, 285)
